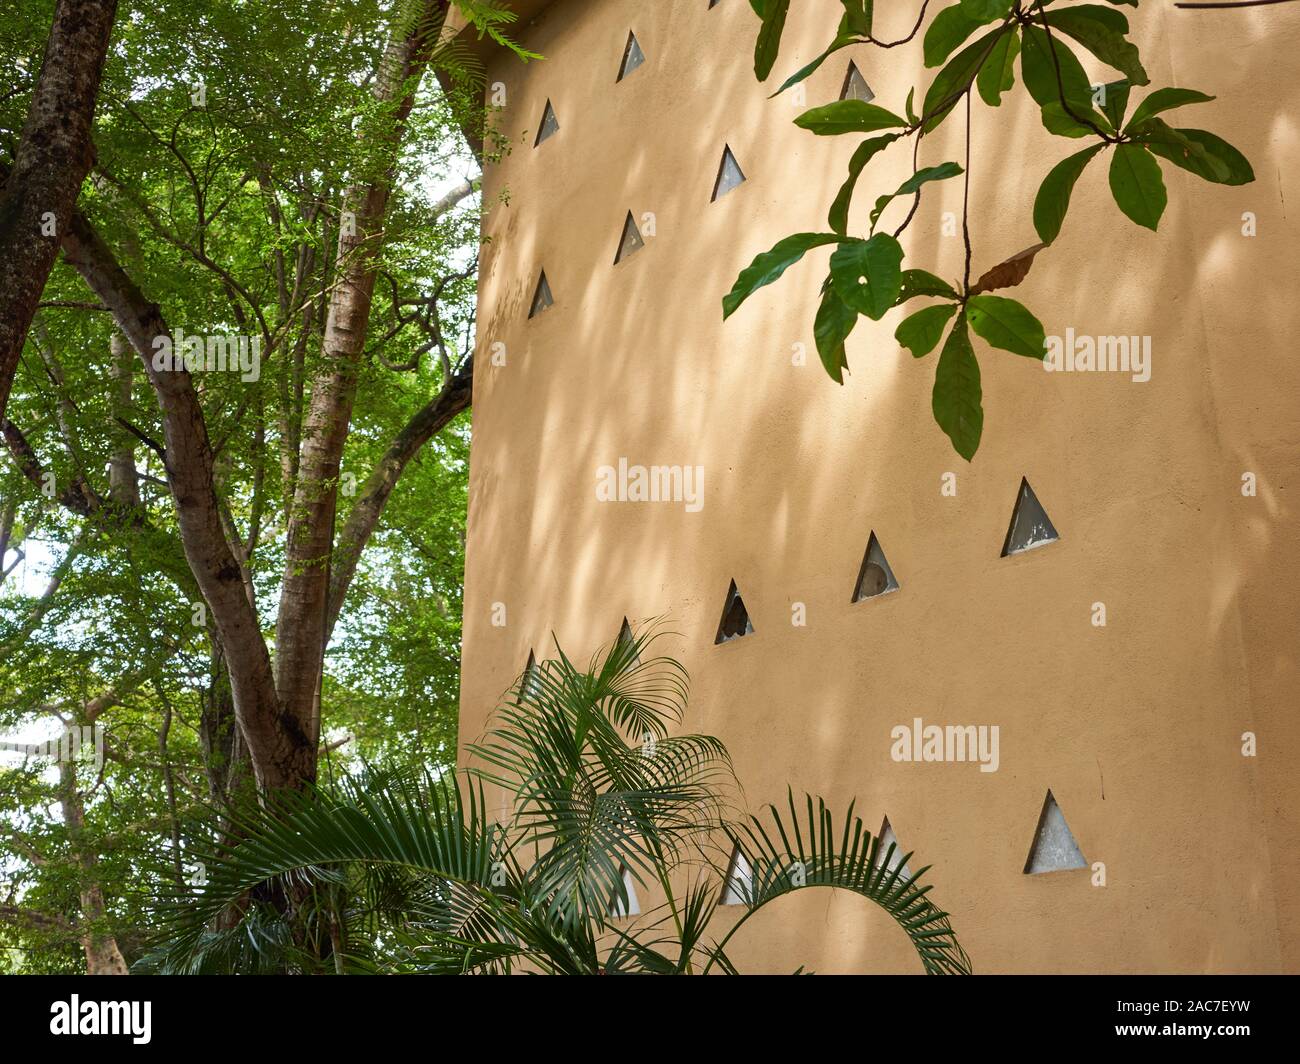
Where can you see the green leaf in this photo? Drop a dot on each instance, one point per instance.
(1039, 71)
(921, 283)
(839, 213)
(930, 173)
(1238, 166)
(1165, 100)
(952, 80)
(1053, 198)
(1115, 100)
(831, 328)
(999, 73)
(1101, 31)
(857, 16)
(1060, 122)
(867, 275)
(912, 116)
(1136, 184)
(811, 68)
(987, 10)
(769, 266)
(920, 332)
(950, 27)
(1156, 131)
(847, 116)
(768, 45)
(1005, 323)
(956, 399)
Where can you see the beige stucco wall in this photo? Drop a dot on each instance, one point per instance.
(1135, 727)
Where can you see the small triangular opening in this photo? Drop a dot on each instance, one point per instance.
(855, 85)
(738, 887)
(1054, 848)
(875, 577)
(729, 174)
(620, 907)
(895, 859)
(1030, 525)
(735, 618)
(633, 57)
(627, 638)
(542, 298)
(550, 125)
(631, 241)
(531, 685)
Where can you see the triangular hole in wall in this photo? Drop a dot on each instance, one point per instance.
(531, 684)
(630, 243)
(1054, 848)
(633, 57)
(542, 298)
(550, 125)
(735, 618)
(1030, 525)
(888, 838)
(855, 85)
(738, 887)
(729, 174)
(626, 638)
(620, 907)
(875, 577)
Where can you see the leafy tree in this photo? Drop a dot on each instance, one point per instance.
(410, 872)
(867, 276)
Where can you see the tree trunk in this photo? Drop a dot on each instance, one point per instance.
(54, 155)
(301, 625)
(103, 957)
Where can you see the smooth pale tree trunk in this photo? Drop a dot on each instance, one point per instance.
(103, 957)
(301, 630)
(55, 152)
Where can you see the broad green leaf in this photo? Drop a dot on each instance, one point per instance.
(957, 398)
(1114, 100)
(831, 328)
(988, 10)
(1005, 323)
(930, 173)
(998, 75)
(921, 283)
(1154, 131)
(847, 116)
(950, 28)
(1039, 71)
(768, 45)
(867, 275)
(1165, 100)
(811, 68)
(1053, 198)
(1101, 31)
(920, 332)
(857, 16)
(1063, 123)
(1136, 184)
(769, 266)
(839, 213)
(1239, 169)
(952, 80)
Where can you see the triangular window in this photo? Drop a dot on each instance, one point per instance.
(1030, 525)
(542, 298)
(735, 618)
(1054, 848)
(875, 577)
(550, 125)
(729, 174)
(633, 57)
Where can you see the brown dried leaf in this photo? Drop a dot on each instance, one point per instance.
(1010, 273)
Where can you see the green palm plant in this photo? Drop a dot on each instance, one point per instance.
(407, 871)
